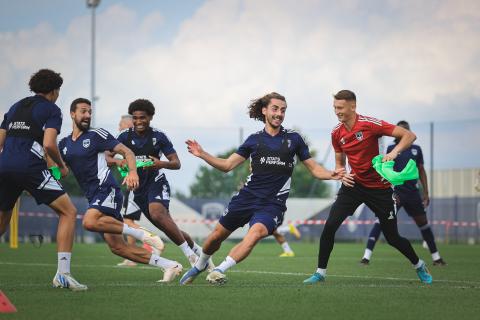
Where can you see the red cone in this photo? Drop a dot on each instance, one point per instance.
(5, 305)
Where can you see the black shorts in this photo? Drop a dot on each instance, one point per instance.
(411, 202)
(41, 185)
(380, 201)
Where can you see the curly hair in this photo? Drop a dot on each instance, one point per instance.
(256, 105)
(141, 105)
(45, 81)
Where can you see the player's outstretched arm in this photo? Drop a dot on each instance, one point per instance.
(319, 172)
(224, 165)
(405, 137)
(51, 149)
(131, 180)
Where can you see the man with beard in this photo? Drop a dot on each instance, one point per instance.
(356, 138)
(28, 134)
(84, 152)
(153, 194)
(261, 201)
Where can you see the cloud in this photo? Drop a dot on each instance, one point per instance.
(405, 59)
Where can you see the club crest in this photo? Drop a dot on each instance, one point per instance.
(86, 143)
(414, 152)
(359, 135)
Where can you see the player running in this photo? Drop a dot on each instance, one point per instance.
(261, 201)
(28, 133)
(84, 152)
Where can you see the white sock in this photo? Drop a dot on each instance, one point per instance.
(226, 264)
(286, 247)
(419, 264)
(64, 262)
(368, 254)
(187, 251)
(136, 233)
(202, 261)
(157, 261)
(435, 256)
(322, 272)
(197, 249)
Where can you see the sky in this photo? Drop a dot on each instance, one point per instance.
(201, 62)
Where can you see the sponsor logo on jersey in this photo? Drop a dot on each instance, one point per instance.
(86, 143)
(154, 141)
(359, 135)
(64, 150)
(19, 125)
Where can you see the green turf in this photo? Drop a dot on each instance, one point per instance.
(263, 286)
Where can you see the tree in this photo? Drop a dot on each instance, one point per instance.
(213, 183)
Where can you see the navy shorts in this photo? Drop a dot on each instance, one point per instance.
(157, 191)
(41, 185)
(108, 200)
(244, 208)
(130, 209)
(411, 202)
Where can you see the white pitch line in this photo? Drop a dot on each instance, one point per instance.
(245, 271)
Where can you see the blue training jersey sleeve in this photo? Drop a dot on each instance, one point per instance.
(104, 141)
(302, 149)
(246, 149)
(420, 156)
(166, 146)
(54, 120)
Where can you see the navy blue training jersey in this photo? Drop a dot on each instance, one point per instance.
(415, 153)
(24, 154)
(273, 176)
(86, 158)
(153, 143)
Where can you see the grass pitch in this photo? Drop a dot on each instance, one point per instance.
(263, 286)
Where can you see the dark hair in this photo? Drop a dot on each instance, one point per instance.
(141, 105)
(403, 123)
(255, 107)
(345, 95)
(45, 81)
(73, 106)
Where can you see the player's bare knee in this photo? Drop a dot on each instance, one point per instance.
(89, 223)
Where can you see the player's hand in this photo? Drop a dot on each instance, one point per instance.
(338, 174)
(390, 156)
(426, 200)
(64, 171)
(131, 180)
(120, 163)
(194, 148)
(348, 179)
(157, 164)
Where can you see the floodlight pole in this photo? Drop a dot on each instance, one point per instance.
(92, 4)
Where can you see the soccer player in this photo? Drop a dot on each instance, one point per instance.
(356, 138)
(131, 212)
(28, 131)
(261, 201)
(84, 152)
(153, 194)
(408, 196)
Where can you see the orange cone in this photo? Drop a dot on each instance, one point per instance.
(5, 305)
